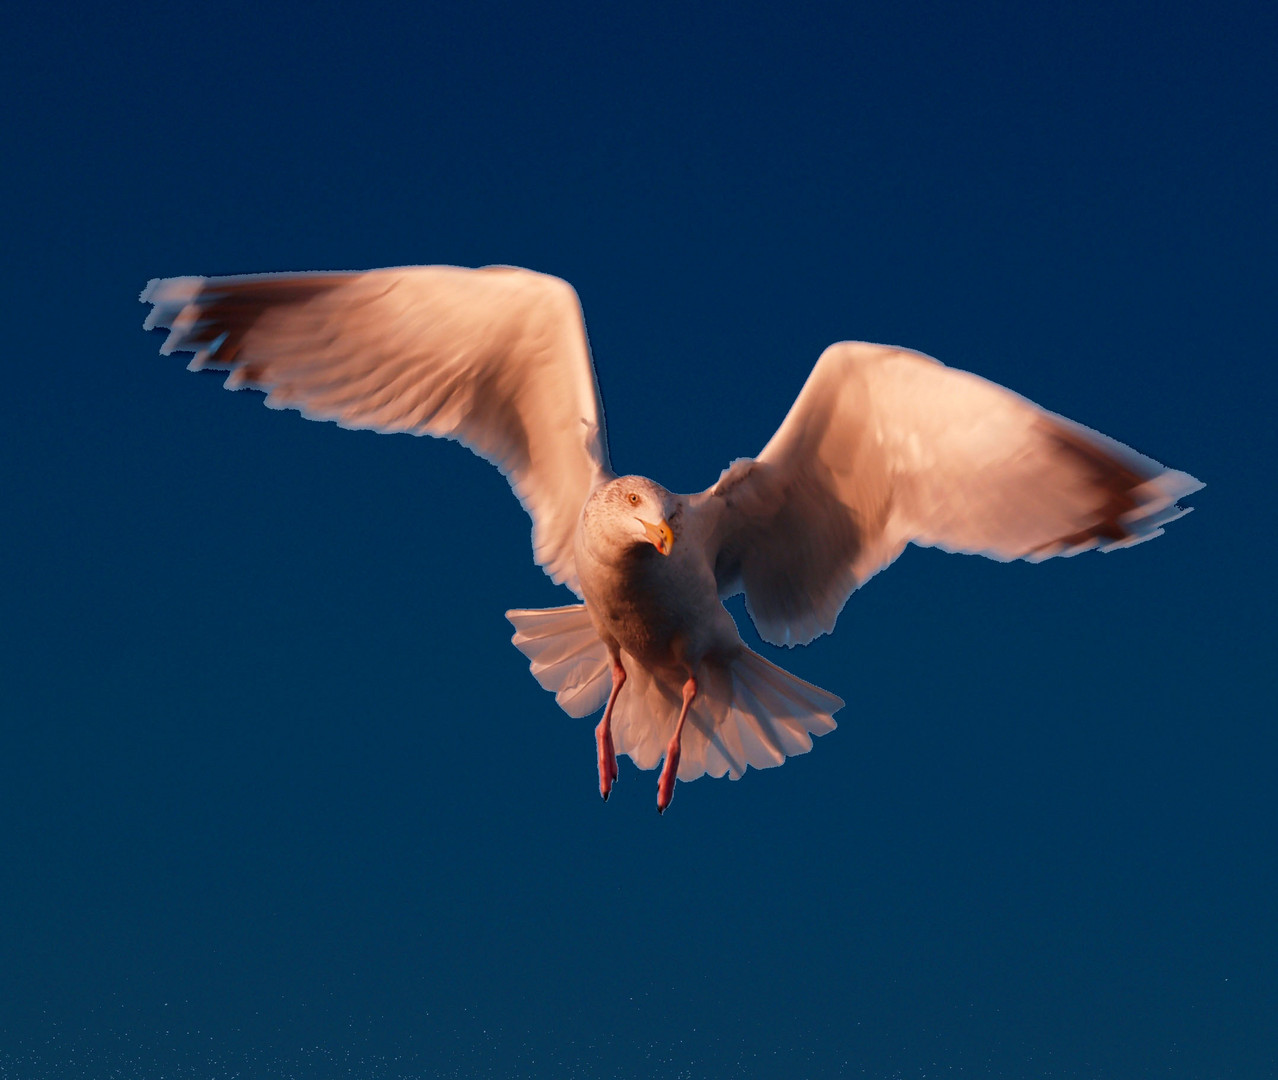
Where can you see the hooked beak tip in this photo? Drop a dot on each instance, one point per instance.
(659, 535)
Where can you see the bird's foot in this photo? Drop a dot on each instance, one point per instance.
(603, 733)
(669, 771)
(665, 786)
(607, 759)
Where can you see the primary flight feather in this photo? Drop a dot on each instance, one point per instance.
(883, 447)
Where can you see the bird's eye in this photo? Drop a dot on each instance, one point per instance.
(634, 499)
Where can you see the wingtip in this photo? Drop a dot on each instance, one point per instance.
(1158, 506)
(170, 298)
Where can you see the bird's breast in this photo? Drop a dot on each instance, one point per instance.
(645, 604)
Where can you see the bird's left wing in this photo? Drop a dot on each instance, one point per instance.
(495, 358)
(885, 446)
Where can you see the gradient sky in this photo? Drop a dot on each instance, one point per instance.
(277, 796)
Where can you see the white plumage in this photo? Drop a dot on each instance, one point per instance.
(883, 447)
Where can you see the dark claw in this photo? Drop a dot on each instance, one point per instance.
(660, 810)
(605, 795)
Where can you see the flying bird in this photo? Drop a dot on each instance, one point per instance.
(883, 447)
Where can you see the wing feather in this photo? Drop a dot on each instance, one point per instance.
(495, 358)
(886, 446)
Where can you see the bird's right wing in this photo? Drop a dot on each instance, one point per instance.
(886, 446)
(495, 358)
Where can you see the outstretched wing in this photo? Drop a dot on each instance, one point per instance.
(495, 358)
(885, 446)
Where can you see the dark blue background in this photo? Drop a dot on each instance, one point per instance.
(277, 797)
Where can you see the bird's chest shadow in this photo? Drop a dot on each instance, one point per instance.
(644, 613)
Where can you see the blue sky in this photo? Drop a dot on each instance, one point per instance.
(277, 796)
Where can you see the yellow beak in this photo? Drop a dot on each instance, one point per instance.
(660, 535)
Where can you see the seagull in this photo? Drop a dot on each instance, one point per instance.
(883, 447)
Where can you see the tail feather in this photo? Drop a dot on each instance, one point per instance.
(788, 704)
(763, 740)
(565, 655)
(747, 712)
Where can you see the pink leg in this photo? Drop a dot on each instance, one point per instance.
(603, 733)
(665, 786)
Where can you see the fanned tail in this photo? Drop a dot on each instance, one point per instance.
(746, 713)
(566, 656)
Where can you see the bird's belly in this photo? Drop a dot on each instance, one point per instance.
(644, 627)
(659, 613)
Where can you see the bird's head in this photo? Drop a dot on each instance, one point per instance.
(632, 512)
